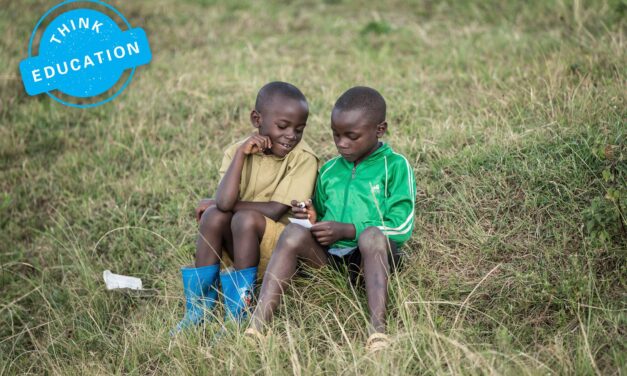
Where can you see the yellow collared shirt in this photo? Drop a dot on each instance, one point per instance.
(270, 178)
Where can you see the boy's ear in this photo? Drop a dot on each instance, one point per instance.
(381, 129)
(255, 118)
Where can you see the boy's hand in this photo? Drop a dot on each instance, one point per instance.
(255, 144)
(304, 210)
(329, 232)
(203, 205)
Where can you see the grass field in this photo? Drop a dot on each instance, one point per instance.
(513, 114)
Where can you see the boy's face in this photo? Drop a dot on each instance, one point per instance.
(356, 136)
(283, 121)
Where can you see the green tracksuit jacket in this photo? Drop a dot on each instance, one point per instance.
(380, 191)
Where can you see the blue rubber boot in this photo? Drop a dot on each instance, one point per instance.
(237, 288)
(201, 294)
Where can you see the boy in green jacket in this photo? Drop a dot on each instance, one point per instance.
(362, 210)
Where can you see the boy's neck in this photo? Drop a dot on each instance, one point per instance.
(378, 145)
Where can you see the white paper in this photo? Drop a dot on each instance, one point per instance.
(118, 281)
(303, 222)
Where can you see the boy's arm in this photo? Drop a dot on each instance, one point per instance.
(272, 209)
(228, 189)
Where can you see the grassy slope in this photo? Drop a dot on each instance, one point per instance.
(509, 113)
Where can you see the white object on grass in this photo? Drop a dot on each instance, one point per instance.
(118, 281)
(303, 222)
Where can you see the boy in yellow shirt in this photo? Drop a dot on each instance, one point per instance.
(260, 176)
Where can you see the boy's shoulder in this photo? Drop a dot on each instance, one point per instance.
(230, 149)
(328, 165)
(397, 164)
(303, 155)
(395, 157)
(304, 148)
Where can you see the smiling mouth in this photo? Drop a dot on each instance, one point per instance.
(286, 146)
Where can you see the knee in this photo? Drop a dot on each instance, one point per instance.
(213, 219)
(372, 241)
(247, 220)
(292, 237)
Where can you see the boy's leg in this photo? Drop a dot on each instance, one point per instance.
(199, 282)
(296, 242)
(247, 227)
(214, 233)
(374, 249)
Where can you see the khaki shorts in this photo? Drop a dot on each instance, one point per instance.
(268, 242)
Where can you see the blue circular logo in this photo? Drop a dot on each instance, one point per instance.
(83, 53)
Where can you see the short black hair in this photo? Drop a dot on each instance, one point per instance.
(363, 98)
(271, 90)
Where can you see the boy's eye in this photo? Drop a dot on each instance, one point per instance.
(353, 137)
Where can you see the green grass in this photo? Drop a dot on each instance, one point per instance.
(512, 113)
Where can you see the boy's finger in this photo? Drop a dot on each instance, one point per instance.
(323, 241)
(260, 141)
(320, 231)
(316, 232)
(258, 144)
(320, 225)
(298, 209)
(268, 141)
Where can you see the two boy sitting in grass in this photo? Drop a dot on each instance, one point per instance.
(362, 212)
